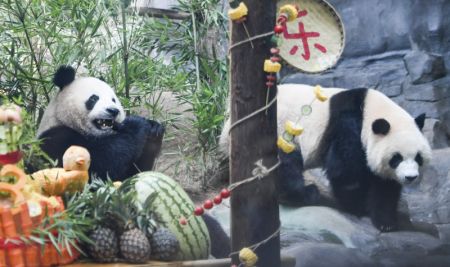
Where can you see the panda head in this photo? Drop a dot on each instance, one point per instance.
(398, 152)
(87, 105)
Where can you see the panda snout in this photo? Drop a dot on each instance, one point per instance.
(113, 111)
(411, 178)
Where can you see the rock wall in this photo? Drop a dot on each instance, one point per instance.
(400, 47)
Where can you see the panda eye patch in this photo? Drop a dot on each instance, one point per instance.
(90, 103)
(419, 159)
(395, 160)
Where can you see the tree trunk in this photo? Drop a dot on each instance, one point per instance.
(254, 206)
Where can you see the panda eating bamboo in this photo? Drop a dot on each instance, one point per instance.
(86, 112)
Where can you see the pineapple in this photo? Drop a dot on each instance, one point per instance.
(105, 245)
(115, 208)
(164, 244)
(134, 246)
(132, 224)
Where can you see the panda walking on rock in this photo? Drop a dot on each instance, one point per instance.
(87, 112)
(368, 145)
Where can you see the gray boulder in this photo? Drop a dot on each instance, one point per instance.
(326, 255)
(412, 242)
(326, 225)
(433, 91)
(424, 67)
(437, 132)
(429, 201)
(322, 236)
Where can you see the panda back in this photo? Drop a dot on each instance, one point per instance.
(49, 119)
(291, 99)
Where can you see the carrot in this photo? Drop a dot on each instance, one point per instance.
(25, 219)
(32, 250)
(46, 257)
(15, 255)
(54, 254)
(2, 252)
(65, 257)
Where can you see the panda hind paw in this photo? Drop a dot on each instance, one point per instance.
(385, 226)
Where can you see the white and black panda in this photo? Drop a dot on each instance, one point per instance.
(368, 146)
(87, 112)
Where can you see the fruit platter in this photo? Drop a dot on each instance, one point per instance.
(56, 216)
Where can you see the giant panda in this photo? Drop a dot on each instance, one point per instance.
(87, 112)
(368, 146)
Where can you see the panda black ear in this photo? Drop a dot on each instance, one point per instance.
(420, 121)
(381, 126)
(64, 76)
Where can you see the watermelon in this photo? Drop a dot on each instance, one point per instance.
(170, 204)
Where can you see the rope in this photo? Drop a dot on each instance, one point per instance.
(250, 39)
(257, 245)
(259, 172)
(252, 114)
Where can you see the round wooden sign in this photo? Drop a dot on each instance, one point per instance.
(315, 40)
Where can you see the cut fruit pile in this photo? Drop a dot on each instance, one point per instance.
(35, 229)
(21, 243)
(134, 221)
(122, 231)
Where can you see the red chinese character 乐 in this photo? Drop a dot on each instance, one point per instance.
(303, 36)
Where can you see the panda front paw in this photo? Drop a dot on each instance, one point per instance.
(155, 129)
(131, 124)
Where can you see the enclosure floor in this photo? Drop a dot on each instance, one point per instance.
(285, 262)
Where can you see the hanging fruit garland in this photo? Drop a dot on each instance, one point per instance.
(238, 13)
(292, 129)
(207, 205)
(248, 257)
(272, 65)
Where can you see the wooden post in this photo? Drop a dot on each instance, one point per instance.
(254, 207)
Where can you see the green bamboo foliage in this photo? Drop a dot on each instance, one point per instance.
(98, 38)
(196, 46)
(141, 57)
(196, 49)
(36, 37)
